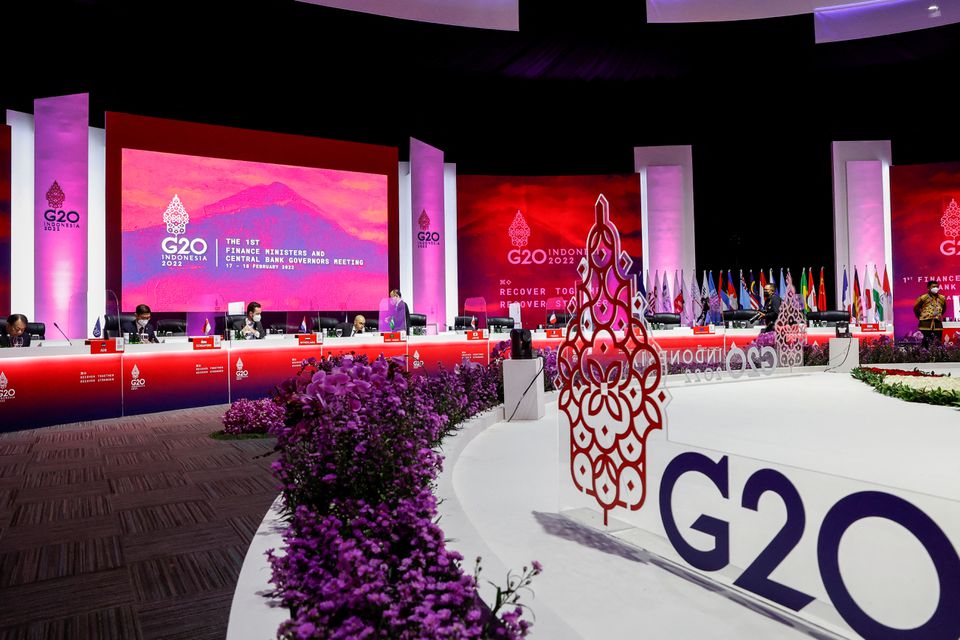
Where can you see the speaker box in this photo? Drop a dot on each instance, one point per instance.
(521, 344)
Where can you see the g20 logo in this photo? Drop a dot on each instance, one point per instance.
(428, 236)
(526, 256)
(138, 383)
(949, 247)
(8, 394)
(945, 621)
(61, 216)
(183, 246)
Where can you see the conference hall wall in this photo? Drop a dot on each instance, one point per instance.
(925, 225)
(521, 238)
(201, 215)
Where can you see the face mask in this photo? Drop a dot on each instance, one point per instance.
(142, 323)
(256, 317)
(934, 289)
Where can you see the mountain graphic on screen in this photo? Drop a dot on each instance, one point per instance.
(274, 214)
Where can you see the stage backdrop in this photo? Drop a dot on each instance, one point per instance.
(199, 216)
(288, 237)
(521, 238)
(4, 221)
(925, 224)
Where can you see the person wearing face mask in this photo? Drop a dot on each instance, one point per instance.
(399, 313)
(252, 328)
(771, 309)
(929, 309)
(140, 330)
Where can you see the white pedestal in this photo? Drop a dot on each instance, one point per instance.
(517, 376)
(844, 354)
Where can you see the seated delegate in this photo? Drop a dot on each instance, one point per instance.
(140, 329)
(252, 328)
(16, 335)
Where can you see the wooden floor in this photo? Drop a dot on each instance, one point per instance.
(128, 528)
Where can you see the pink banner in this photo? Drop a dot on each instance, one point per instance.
(426, 194)
(60, 202)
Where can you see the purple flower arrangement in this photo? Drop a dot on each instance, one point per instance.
(253, 416)
(364, 556)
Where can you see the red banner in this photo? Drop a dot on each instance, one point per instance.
(158, 381)
(36, 392)
(427, 357)
(255, 372)
(521, 238)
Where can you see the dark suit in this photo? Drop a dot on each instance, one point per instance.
(770, 311)
(401, 318)
(257, 326)
(147, 334)
(6, 341)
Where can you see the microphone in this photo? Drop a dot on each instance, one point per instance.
(63, 334)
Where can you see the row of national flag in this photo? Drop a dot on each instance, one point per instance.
(704, 302)
(872, 303)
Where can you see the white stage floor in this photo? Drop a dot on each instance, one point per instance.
(501, 499)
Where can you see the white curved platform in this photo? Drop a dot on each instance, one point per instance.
(504, 502)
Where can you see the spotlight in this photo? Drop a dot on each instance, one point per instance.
(933, 11)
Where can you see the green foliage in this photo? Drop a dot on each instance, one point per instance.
(927, 396)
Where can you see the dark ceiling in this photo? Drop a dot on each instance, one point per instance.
(574, 91)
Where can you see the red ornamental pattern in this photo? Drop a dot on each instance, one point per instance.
(55, 196)
(609, 375)
(423, 220)
(950, 220)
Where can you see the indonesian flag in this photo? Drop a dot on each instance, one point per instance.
(206, 326)
(763, 291)
(553, 317)
(822, 299)
(812, 294)
(856, 296)
(678, 297)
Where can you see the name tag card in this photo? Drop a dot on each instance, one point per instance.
(305, 339)
(554, 333)
(392, 336)
(105, 345)
(475, 335)
(205, 342)
(871, 327)
(704, 330)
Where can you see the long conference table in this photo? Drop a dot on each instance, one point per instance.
(57, 383)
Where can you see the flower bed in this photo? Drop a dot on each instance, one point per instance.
(364, 556)
(252, 418)
(912, 386)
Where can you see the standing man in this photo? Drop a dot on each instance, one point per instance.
(17, 335)
(252, 328)
(400, 314)
(929, 309)
(771, 308)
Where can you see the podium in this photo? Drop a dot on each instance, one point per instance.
(518, 375)
(844, 354)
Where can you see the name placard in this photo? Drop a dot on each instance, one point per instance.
(205, 342)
